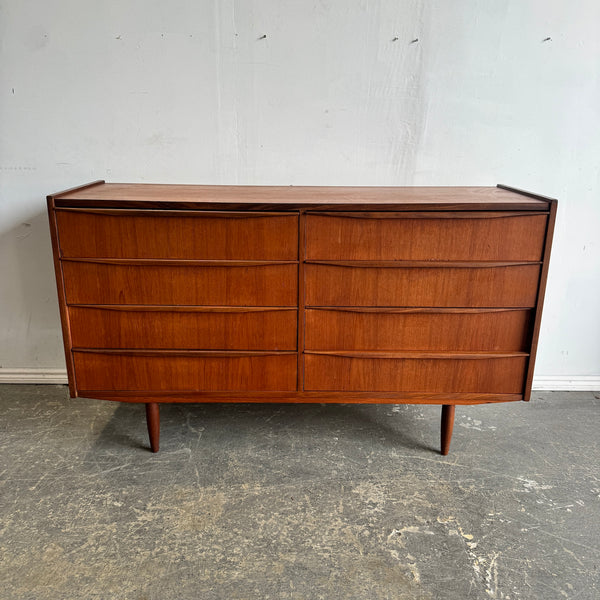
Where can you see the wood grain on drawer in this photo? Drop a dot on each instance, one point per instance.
(219, 328)
(491, 286)
(177, 234)
(398, 236)
(241, 285)
(417, 329)
(184, 372)
(361, 374)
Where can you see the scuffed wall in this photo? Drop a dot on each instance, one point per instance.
(287, 92)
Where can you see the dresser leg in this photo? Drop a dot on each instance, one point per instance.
(153, 422)
(447, 426)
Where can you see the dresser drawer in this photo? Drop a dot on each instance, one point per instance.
(426, 236)
(497, 286)
(154, 327)
(418, 329)
(166, 372)
(177, 234)
(356, 374)
(168, 284)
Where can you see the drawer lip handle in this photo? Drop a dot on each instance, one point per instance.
(183, 212)
(385, 215)
(417, 354)
(183, 308)
(423, 264)
(188, 353)
(168, 262)
(416, 309)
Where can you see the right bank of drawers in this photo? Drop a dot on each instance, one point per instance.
(420, 302)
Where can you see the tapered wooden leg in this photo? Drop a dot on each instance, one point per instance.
(153, 422)
(447, 426)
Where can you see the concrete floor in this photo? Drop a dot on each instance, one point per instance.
(298, 502)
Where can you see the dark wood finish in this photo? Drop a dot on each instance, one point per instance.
(146, 235)
(378, 329)
(339, 285)
(478, 238)
(194, 328)
(451, 375)
(296, 294)
(252, 285)
(515, 190)
(127, 371)
(447, 427)
(78, 189)
(153, 422)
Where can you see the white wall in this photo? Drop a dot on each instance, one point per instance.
(186, 91)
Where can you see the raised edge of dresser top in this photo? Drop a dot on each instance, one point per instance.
(292, 197)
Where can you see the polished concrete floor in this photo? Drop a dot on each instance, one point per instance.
(298, 501)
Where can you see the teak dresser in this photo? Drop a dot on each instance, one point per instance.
(182, 293)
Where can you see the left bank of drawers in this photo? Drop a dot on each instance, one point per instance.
(181, 300)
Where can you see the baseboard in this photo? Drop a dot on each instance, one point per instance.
(561, 383)
(51, 376)
(564, 383)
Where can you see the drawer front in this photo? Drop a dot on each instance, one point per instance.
(160, 234)
(181, 328)
(400, 237)
(257, 285)
(495, 375)
(501, 286)
(347, 329)
(115, 372)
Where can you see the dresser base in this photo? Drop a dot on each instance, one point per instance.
(300, 397)
(447, 417)
(153, 422)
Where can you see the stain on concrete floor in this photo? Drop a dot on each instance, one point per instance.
(298, 501)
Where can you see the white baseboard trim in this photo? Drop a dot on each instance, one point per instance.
(50, 376)
(561, 383)
(564, 383)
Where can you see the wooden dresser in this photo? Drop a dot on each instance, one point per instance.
(180, 293)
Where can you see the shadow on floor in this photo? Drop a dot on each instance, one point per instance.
(401, 429)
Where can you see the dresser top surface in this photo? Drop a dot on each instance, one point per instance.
(101, 194)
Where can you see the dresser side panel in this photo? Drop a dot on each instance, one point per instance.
(62, 303)
(540, 300)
